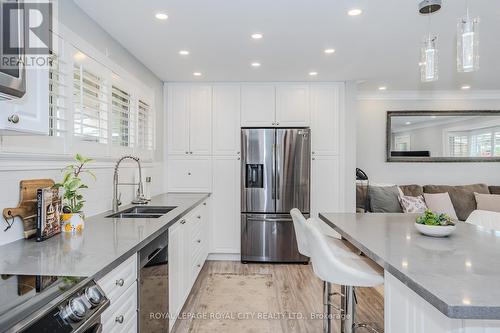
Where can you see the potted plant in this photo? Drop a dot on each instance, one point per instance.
(72, 184)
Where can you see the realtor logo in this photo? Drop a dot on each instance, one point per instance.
(27, 27)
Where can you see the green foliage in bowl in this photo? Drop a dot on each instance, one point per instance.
(431, 218)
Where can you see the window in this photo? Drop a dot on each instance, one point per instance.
(122, 133)
(481, 145)
(402, 143)
(57, 97)
(145, 138)
(459, 146)
(90, 105)
(497, 143)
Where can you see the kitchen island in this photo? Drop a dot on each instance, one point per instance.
(431, 284)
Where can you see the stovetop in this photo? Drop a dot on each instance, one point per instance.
(21, 295)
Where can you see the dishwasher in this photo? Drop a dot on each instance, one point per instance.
(153, 286)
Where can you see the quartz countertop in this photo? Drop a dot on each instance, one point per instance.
(104, 243)
(459, 275)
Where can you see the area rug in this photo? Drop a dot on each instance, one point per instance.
(236, 303)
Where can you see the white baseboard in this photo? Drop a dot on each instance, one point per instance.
(224, 257)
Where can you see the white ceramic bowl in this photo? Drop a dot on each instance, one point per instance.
(435, 230)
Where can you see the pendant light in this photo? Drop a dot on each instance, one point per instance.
(428, 52)
(467, 43)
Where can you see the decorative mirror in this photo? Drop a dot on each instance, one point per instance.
(443, 136)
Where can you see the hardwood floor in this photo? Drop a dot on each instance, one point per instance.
(297, 294)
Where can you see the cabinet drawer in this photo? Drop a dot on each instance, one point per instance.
(116, 282)
(189, 174)
(118, 315)
(130, 326)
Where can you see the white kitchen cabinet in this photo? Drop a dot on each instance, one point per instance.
(326, 185)
(189, 118)
(258, 105)
(117, 318)
(189, 174)
(200, 120)
(326, 106)
(186, 255)
(225, 222)
(29, 114)
(226, 119)
(178, 119)
(292, 105)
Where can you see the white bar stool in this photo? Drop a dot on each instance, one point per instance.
(335, 244)
(337, 264)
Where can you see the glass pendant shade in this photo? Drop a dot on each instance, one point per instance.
(429, 60)
(467, 45)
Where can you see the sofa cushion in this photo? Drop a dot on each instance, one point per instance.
(495, 189)
(488, 202)
(462, 197)
(412, 190)
(411, 204)
(440, 203)
(384, 199)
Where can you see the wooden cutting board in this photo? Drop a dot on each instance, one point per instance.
(27, 208)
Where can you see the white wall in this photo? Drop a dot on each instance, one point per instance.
(13, 168)
(371, 142)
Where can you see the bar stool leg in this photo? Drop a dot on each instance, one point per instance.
(348, 309)
(327, 308)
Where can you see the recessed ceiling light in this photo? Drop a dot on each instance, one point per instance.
(329, 51)
(184, 52)
(79, 56)
(255, 64)
(313, 73)
(382, 88)
(466, 87)
(161, 16)
(408, 123)
(197, 74)
(257, 35)
(354, 12)
(433, 117)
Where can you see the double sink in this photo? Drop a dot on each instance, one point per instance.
(142, 212)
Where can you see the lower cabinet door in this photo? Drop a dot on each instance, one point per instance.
(117, 317)
(175, 278)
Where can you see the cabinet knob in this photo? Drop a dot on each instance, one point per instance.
(313, 152)
(189, 173)
(119, 319)
(277, 123)
(238, 153)
(190, 153)
(120, 282)
(313, 159)
(238, 158)
(183, 221)
(198, 241)
(198, 265)
(187, 152)
(199, 216)
(204, 204)
(14, 118)
(273, 123)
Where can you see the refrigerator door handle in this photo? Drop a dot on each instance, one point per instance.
(269, 220)
(277, 175)
(273, 162)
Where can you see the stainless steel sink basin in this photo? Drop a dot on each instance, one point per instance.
(142, 212)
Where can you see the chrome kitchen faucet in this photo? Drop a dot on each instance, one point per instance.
(139, 199)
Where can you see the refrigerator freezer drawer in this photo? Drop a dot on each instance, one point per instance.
(269, 238)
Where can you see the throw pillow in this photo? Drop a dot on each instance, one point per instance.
(384, 199)
(412, 204)
(440, 203)
(489, 202)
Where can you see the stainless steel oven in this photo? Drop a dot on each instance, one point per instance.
(12, 57)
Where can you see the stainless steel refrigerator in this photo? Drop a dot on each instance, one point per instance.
(276, 173)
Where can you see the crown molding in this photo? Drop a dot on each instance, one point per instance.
(430, 95)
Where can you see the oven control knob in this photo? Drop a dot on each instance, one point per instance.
(75, 310)
(94, 296)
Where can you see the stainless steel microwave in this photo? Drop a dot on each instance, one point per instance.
(12, 69)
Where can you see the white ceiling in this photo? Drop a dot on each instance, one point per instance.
(380, 47)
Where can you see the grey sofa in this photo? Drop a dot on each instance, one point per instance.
(462, 196)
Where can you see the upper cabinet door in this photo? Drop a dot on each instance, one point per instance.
(226, 120)
(325, 113)
(258, 105)
(200, 120)
(178, 119)
(292, 105)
